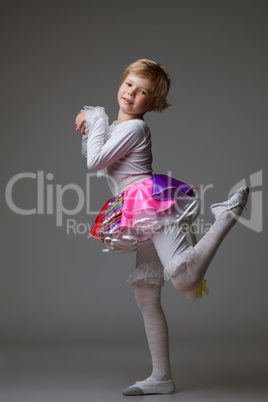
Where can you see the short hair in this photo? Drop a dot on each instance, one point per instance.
(157, 74)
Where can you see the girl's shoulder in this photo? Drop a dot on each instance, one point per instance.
(136, 124)
(133, 130)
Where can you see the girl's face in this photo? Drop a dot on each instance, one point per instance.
(135, 96)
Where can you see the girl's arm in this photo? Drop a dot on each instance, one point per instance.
(101, 153)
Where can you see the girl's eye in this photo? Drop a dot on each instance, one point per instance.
(142, 92)
(128, 84)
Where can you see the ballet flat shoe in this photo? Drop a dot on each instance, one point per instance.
(239, 198)
(149, 387)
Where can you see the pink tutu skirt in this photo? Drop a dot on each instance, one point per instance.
(144, 208)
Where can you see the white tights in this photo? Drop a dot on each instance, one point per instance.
(149, 301)
(187, 270)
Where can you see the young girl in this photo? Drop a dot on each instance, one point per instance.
(149, 213)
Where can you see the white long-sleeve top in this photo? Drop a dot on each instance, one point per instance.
(124, 150)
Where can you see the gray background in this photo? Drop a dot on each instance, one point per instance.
(58, 289)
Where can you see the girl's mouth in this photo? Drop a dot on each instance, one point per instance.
(127, 101)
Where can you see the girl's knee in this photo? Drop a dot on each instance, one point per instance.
(184, 285)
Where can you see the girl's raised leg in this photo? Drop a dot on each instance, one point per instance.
(187, 269)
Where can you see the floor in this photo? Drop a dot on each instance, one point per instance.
(219, 372)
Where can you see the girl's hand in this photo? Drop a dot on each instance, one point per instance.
(79, 121)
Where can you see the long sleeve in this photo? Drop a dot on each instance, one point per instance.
(102, 151)
(92, 115)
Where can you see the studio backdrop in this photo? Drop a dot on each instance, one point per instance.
(56, 284)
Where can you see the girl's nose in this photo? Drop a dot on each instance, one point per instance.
(131, 91)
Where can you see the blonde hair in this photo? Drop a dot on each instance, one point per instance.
(157, 74)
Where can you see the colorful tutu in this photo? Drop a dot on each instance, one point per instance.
(137, 213)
